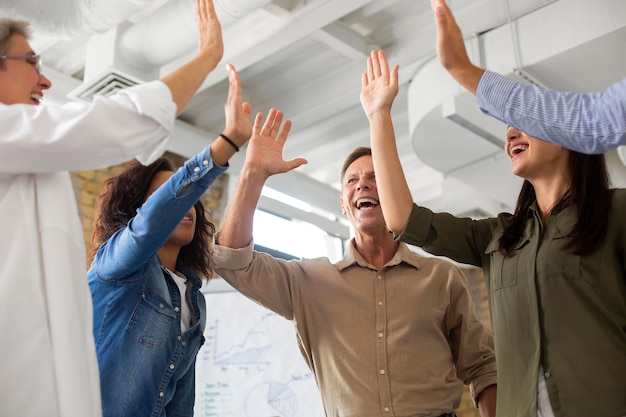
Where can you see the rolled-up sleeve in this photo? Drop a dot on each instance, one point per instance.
(269, 281)
(134, 123)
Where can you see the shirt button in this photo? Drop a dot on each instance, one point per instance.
(184, 343)
(196, 169)
(161, 305)
(205, 162)
(172, 366)
(382, 372)
(176, 309)
(380, 334)
(380, 277)
(380, 303)
(547, 375)
(161, 394)
(386, 409)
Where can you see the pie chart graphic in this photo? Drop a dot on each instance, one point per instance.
(271, 399)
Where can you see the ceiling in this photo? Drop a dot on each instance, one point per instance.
(306, 57)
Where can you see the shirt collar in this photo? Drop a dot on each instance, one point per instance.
(353, 257)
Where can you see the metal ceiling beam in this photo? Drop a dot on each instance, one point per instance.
(345, 41)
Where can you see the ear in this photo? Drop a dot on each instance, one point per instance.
(343, 208)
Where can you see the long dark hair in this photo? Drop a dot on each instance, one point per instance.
(123, 194)
(589, 193)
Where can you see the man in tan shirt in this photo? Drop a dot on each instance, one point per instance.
(385, 332)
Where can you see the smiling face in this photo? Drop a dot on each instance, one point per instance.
(184, 232)
(532, 158)
(19, 80)
(359, 197)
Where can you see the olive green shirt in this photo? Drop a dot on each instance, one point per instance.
(563, 311)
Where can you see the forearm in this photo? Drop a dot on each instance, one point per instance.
(393, 191)
(237, 225)
(222, 150)
(130, 247)
(185, 81)
(487, 401)
(467, 75)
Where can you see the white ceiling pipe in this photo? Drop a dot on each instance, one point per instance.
(71, 18)
(171, 31)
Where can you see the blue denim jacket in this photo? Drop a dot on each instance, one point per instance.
(147, 366)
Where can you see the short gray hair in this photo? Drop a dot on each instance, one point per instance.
(354, 155)
(8, 28)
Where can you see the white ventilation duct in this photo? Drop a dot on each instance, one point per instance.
(163, 35)
(72, 18)
(170, 31)
(447, 130)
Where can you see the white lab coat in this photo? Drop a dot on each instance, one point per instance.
(49, 366)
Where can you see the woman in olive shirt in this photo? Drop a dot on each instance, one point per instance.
(555, 269)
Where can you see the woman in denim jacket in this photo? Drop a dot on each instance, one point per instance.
(145, 278)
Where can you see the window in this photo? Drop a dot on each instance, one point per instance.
(294, 237)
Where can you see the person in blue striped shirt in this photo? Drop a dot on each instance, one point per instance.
(589, 123)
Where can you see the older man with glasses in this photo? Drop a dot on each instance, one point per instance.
(50, 367)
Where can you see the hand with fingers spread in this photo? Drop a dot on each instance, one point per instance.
(379, 85)
(264, 158)
(264, 155)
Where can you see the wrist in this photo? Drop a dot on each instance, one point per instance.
(230, 142)
(379, 115)
(235, 136)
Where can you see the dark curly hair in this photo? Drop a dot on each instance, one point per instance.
(123, 194)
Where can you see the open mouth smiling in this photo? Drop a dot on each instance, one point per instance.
(366, 203)
(517, 149)
(36, 97)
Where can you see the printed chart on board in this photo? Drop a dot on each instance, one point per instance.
(250, 364)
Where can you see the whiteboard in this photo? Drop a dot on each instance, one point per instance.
(250, 364)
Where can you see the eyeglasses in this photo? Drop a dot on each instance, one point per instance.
(27, 57)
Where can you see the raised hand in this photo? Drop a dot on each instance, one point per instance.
(210, 43)
(379, 86)
(238, 123)
(185, 81)
(451, 48)
(264, 155)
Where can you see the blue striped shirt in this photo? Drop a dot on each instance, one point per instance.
(588, 123)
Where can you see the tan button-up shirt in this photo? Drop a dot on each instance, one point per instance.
(399, 341)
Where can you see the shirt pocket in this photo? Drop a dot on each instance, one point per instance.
(564, 264)
(503, 271)
(151, 320)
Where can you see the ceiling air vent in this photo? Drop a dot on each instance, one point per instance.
(105, 84)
